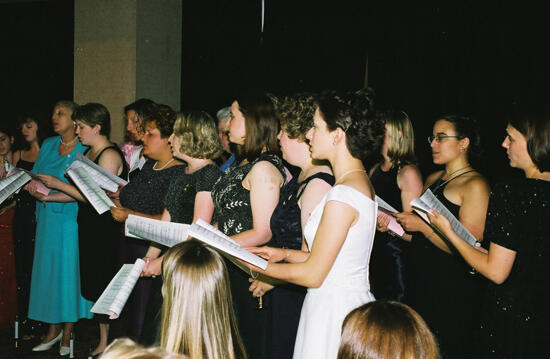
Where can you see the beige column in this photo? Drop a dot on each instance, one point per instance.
(125, 50)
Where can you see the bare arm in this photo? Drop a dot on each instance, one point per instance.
(409, 182)
(496, 265)
(335, 223)
(264, 182)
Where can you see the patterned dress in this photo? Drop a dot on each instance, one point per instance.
(234, 215)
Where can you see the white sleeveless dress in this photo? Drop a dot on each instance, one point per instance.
(346, 286)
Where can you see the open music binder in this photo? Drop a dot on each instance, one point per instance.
(11, 184)
(424, 204)
(90, 189)
(114, 297)
(385, 208)
(169, 234)
(102, 177)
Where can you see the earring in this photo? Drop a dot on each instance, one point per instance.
(462, 149)
(334, 142)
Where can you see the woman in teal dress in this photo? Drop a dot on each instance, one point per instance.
(55, 283)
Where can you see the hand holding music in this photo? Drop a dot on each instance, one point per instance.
(382, 222)
(50, 181)
(410, 221)
(120, 214)
(115, 195)
(32, 188)
(440, 221)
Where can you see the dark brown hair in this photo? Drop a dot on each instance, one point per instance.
(383, 330)
(535, 127)
(261, 126)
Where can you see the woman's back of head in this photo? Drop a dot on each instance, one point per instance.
(382, 330)
(197, 313)
(128, 349)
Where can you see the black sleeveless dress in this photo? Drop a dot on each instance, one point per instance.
(24, 229)
(234, 215)
(98, 239)
(445, 290)
(388, 261)
(287, 299)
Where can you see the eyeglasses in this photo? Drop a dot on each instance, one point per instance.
(438, 138)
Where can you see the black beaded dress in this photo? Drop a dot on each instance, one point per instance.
(515, 315)
(445, 290)
(388, 261)
(98, 238)
(145, 193)
(180, 203)
(24, 230)
(287, 299)
(234, 215)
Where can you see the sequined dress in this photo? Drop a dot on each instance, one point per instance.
(234, 215)
(516, 315)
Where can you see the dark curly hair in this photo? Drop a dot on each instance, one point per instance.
(296, 114)
(164, 118)
(354, 114)
(466, 127)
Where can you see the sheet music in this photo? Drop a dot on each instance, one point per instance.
(428, 201)
(166, 233)
(385, 205)
(213, 237)
(388, 210)
(90, 189)
(12, 183)
(101, 176)
(114, 297)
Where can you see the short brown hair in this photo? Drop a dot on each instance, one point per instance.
(296, 114)
(261, 126)
(385, 329)
(535, 127)
(198, 134)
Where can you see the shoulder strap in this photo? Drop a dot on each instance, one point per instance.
(328, 178)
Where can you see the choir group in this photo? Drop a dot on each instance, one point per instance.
(296, 180)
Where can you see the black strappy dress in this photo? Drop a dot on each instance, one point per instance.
(444, 290)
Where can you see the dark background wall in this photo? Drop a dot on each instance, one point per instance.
(472, 58)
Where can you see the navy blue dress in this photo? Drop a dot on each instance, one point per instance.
(287, 299)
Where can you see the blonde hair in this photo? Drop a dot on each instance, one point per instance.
(198, 135)
(127, 349)
(385, 329)
(400, 137)
(197, 312)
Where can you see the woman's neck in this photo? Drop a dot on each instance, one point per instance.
(308, 169)
(340, 168)
(163, 159)
(195, 164)
(7, 157)
(533, 172)
(387, 164)
(68, 136)
(455, 167)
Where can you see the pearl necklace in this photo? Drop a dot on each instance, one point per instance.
(70, 142)
(163, 167)
(347, 173)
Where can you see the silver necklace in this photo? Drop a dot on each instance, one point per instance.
(347, 173)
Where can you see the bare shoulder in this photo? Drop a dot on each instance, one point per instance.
(110, 155)
(432, 178)
(409, 173)
(475, 183)
(265, 171)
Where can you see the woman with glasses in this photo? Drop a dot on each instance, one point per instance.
(515, 308)
(443, 288)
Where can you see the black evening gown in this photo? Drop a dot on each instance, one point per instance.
(234, 215)
(445, 290)
(180, 203)
(515, 314)
(287, 299)
(145, 193)
(388, 261)
(98, 238)
(24, 230)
